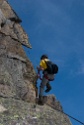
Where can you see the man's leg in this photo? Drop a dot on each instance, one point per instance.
(48, 87)
(42, 86)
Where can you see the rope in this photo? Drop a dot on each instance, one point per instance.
(71, 117)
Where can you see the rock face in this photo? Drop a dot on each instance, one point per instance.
(16, 71)
(23, 113)
(17, 78)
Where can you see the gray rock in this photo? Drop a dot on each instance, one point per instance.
(17, 79)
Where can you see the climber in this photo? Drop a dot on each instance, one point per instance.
(46, 78)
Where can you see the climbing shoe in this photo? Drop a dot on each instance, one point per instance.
(40, 101)
(47, 90)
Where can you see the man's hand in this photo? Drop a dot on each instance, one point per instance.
(39, 68)
(38, 75)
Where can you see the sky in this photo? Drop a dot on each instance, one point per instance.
(56, 28)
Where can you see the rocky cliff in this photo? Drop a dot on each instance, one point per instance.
(17, 78)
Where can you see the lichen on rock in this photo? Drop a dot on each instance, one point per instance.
(23, 113)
